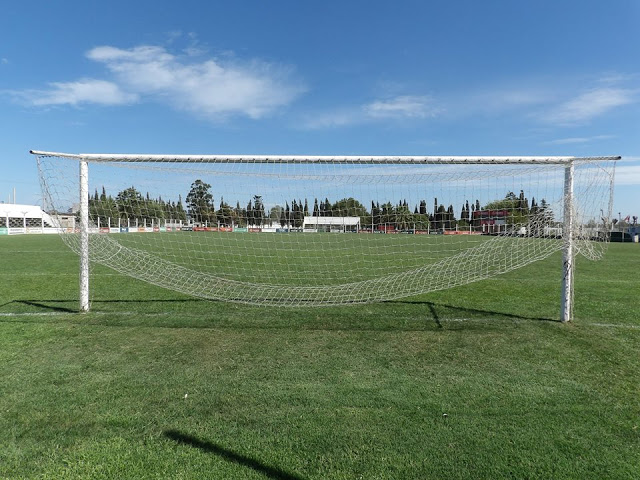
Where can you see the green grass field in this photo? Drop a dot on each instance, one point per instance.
(479, 381)
(309, 259)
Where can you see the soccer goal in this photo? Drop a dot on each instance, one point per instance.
(326, 230)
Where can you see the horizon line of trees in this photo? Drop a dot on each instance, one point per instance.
(199, 207)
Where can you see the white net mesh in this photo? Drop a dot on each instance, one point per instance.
(324, 233)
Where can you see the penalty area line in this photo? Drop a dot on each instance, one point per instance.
(58, 314)
(612, 325)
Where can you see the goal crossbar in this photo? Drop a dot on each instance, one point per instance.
(329, 159)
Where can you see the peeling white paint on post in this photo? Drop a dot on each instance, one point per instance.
(566, 301)
(84, 236)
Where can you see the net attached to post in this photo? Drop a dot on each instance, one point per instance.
(294, 231)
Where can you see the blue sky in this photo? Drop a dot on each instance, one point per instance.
(333, 77)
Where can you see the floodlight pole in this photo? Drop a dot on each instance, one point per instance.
(84, 236)
(566, 301)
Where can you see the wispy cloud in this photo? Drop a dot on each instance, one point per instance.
(207, 87)
(628, 175)
(398, 108)
(589, 105)
(4, 61)
(82, 91)
(579, 140)
(404, 106)
(566, 102)
(503, 99)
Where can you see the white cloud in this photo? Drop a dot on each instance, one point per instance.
(210, 88)
(206, 87)
(503, 99)
(86, 90)
(402, 107)
(589, 105)
(628, 175)
(579, 140)
(338, 118)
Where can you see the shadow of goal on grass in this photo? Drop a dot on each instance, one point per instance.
(229, 455)
(433, 310)
(58, 305)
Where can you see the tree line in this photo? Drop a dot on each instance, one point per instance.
(129, 204)
(199, 207)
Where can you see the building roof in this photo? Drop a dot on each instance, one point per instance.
(332, 221)
(17, 210)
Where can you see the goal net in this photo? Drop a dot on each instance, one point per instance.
(297, 231)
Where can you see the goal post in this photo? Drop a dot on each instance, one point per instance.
(84, 234)
(260, 229)
(566, 298)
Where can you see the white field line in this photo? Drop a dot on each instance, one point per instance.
(57, 274)
(58, 314)
(35, 314)
(42, 251)
(613, 325)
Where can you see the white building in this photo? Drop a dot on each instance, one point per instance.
(331, 224)
(17, 219)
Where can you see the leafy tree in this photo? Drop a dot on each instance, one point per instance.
(546, 212)
(129, 203)
(275, 214)
(375, 214)
(258, 210)
(403, 216)
(519, 212)
(523, 203)
(240, 215)
(294, 213)
(284, 216)
(509, 202)
(350, 207)
(386, 215)
(225, 215)
(250, 213)
(287, 214)
(327, 208)
(180, 213)
(450, 218)
(200, 202)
